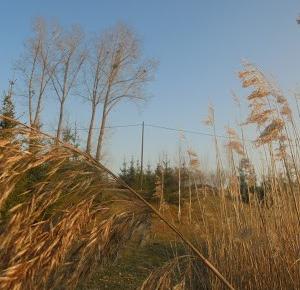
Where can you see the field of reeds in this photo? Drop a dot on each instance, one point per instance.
(69, 222)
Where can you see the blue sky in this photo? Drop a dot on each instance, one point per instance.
(199, 46)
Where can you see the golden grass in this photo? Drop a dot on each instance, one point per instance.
(63, 209)
(56, 228)
(254, 245)
(70, 219)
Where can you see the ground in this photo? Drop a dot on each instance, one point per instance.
(136, 263)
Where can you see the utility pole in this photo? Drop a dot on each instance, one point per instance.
(142, 156)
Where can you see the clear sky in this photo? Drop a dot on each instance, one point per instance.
(199, 45)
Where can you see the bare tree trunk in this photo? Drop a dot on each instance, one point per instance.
(101, 134)
(37, 112)
(90, 134)
(60, 120)
(30, 87)
(67, 64)
(103, 122)
(63, 98)
(30, 108)
(42, 88)
(30, 91)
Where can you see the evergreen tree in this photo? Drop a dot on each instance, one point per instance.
(131, 177)
(7, 110)
(123, 171)
(130, 174)
(70, 136)
(170, 180)
(149, 182)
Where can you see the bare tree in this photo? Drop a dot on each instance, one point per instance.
(68, 61)
(34, 67)
(94, 79)
(124, 73)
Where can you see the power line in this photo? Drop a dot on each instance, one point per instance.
(111, 127)
(163, 128)
(188, 131)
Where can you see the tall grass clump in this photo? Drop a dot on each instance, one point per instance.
(251, 231)
(62, 214)
(56, 220)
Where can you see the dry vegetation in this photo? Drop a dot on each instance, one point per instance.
(54, 232)
(62, 217)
